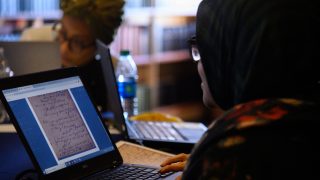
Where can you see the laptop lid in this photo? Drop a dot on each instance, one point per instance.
(113, 98)
(58, 124)
(193, 131)
(31, 56)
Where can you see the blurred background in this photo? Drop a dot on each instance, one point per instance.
(156, 33)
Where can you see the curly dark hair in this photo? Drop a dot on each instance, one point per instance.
(102, 16)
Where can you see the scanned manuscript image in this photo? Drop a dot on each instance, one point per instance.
(62, 123)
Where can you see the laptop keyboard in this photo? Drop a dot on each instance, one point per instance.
(157, 130)
(130, 172)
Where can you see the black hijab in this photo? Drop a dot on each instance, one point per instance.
(253, 49)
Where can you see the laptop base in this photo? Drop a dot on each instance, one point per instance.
(30, 174)
(170, 147)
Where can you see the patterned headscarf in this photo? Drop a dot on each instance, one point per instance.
(103, 16)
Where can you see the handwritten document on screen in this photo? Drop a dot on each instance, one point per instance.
(62, 123)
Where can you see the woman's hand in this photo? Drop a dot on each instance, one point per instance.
(175, 163)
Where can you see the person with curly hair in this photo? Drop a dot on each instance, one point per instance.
(82, 23)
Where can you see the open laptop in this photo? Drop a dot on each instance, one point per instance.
(62, 130)
(182, 135)
(26, 57)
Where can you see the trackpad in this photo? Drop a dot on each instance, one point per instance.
(173, 176)
(191, 131)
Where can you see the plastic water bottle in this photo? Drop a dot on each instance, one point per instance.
(5, 71)
(127, 76)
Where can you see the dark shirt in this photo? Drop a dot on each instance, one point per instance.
(262, 139)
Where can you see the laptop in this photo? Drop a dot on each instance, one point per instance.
(26, 57)
(62, 130)
(182, 135)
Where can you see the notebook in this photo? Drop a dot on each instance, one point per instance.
(26, 57)
(182, 135)
(62, 130)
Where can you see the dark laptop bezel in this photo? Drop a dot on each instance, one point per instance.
(105, 161)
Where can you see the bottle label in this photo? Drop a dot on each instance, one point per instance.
(127, 89)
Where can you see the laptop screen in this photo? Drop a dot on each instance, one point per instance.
(59, 122)
(26, 57)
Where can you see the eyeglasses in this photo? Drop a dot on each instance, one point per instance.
(75, 43)
(193, 49)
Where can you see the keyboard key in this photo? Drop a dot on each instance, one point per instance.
(166, 174)
(129, 172)
(148, 170)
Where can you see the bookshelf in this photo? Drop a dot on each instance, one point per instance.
(15, 9)
(150, 26)
(157, 36)
(16, 15)
(156, 32)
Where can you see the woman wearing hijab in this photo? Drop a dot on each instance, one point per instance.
(259, 60)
